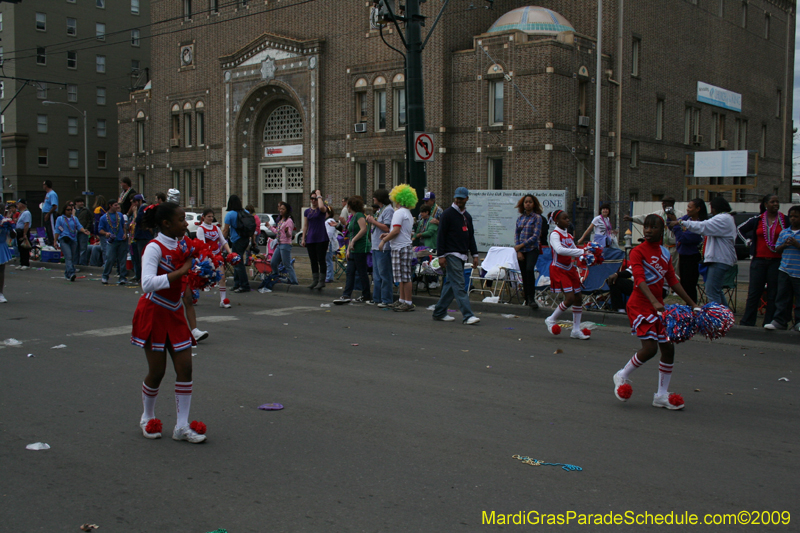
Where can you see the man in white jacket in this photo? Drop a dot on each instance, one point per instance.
(667, 209)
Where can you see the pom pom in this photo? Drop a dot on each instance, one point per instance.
(625, 391)
(675, 399)
(226, 301)
(198, 427)
(233, 258)
(556, 329)
(587, 332)
(714, 320)
(404, 195)
(153, 426)
(592, 255)
(679, 323)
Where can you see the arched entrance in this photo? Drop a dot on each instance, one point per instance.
(280, 172)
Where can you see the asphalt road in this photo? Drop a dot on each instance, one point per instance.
(412, 430)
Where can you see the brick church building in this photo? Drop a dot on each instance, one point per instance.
(272, 99)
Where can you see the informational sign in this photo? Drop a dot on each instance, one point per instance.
(283, 151)
(423, 147)
(720, 164)
(795, 181)
(719, 97)
(494, 214)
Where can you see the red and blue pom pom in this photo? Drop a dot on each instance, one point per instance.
(714, 320)
(592, 255)
(679, 322)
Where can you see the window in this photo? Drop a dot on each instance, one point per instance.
(283, 124)
(744, 14)
(660, 119)
(380, 111)
(763, 147)
(72, 27)
(187, 183)
(187, 9)
(580, 178)
(635, 55)
(72, 59)
(134, 7)
(740, 136)
(399, 172)
(72, 125)
(201, 187)
(41, 91)
(361, 107)
(2, 123)
(41, 55)
(100, 64)
(496, 173)
(140, 132)
(766, 25)
(399, 109)
(134, 37)
(380, 175)
(634, 154)
(714, 126)
(100, 31)
(361, 179)
(135, 66)
(1, 22)
(187, 129)
(41, 21)
(41, 123)
(176, 178)
(215, 6)
(1, 55)
(2, 90)
(43, 157)
(496, 102)
(101, 127)
(101, 96)
(778, 105)
(721, 130)
(687, 125)
(582, 93)
(72, 93)
(721, 8)
(100, 4)
(3, 153)
(200, 119)
(140, 182)
(73, 159)
(176, 126)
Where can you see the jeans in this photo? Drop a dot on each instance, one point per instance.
(528, 267)
(116, 254)
(283, 254)
(762, 272)
(137, 251)
(329, 264)
(104, 248)
(689, 272)
(240, 280)
(316, 253)
(788, 290)
(70, 249)
(714, 279)
(83, 249)
(357, 264)
(453, 289)
(382, 276)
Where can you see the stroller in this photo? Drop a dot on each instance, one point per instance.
(263, 263)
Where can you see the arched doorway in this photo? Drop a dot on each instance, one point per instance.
(280, 171)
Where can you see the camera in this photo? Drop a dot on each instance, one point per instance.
(670, 210)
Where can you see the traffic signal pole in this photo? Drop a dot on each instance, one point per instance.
(415, 106)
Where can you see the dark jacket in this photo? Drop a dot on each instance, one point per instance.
(452, 237)
(747, 230)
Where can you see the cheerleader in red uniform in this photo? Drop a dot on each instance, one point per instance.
(651, 265)
(564, 275)
(211, 234)
(159, 325)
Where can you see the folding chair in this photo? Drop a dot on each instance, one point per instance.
(730, 286)
(542, 293)
(595, 286)
(505, 260)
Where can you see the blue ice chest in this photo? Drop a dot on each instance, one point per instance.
(51, 256)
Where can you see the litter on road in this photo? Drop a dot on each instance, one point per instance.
(58, 347)
(271, 407)
(783, 379)
(12, 342)
(38, 446)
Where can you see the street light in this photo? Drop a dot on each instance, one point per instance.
(85, 146)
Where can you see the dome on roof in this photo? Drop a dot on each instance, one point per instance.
(532, 20)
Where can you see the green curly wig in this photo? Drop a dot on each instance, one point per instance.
(404, 195)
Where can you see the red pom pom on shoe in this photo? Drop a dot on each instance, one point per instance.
(587, 332)
(625, 391)
(198, 427)
(675, 399)
(153, 426)
(226, 301)
(556, 329)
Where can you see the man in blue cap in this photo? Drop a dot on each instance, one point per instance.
(455, 245)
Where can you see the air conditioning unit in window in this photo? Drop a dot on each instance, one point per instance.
(583, 202)
(583, 121)
(723, 144)
(360, 127)
(697, 139)
(174, 143)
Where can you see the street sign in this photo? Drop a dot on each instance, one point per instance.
(423, 147)
(87, 193)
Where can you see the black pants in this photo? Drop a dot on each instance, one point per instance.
(528, 267)
(24, 253)
(316, 253)
(762, 272)
(240, 280)
(689, 272)
(622, 287)
(357, 265)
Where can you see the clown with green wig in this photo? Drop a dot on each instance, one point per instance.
(404, 198)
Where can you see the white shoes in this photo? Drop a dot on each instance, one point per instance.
(445, 318)
(472, 320)
(578, 334)
(669, 401)
(199, 335)
(188, 434)
(151, 429)
(622, 387)
(226, 304)
(433, 285)
(772, 326)
(549, 322)
(2, 298)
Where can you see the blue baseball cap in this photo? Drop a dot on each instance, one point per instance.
(461, 192)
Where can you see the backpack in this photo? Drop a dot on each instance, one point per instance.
(245, 224)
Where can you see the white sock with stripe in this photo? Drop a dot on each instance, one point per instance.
(222, 293)
(183, 402)
(664, 375)
(149, 401)
(632, 365)
(558, 310)
(577, 310)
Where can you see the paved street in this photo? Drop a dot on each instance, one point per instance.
(411, 430)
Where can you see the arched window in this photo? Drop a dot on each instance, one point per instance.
(176, 126)
(283, 124)
(140, 132)
(200, 122)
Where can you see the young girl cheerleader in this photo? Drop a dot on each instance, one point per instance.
(651, 265)
(564, 275)
(211, 234)
(159, 325)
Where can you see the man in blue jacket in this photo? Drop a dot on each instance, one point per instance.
(455, 245)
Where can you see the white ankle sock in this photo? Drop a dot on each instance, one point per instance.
(149, 401)
(577, 310)
(183, 402)
(222, 293)
(632, 365)
(664, 375)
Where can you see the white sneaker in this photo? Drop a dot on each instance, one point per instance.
(472, 320)
(225, 303)
(622, 387)
(433, 285)
(154, 426)
(445, 318)
(550, 322)
(2, 298)
(669, 401)
(199, 335)
(264, 290)
(771, 326)
(187, 433)
(24, 267)
(578, 334)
